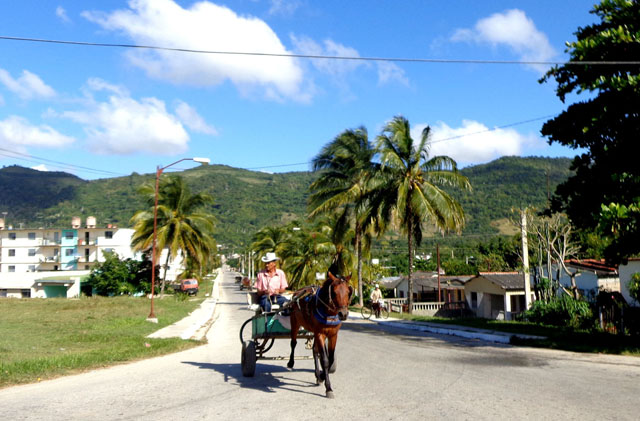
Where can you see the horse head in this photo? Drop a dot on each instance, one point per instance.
(339, 292)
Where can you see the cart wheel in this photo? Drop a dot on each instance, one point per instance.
(245, 336)
(248, 360)
(263, 345)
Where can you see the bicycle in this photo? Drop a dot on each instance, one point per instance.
(368, 311)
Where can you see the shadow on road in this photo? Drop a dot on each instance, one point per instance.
(268, 378)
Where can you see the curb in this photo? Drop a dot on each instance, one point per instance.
(469, 333)
(196, 325)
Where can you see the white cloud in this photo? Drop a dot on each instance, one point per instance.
(17, 132)
(284, 7)
(388, 72)
(27, 86)
(512, 29)
(121, 125)
(337, 68)
(194, 121)
(206, 26)
(61, 13)
(40, 167)
(474, 143)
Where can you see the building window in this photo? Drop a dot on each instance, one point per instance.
(474, 300)
(108, 250)
(12, 236)
(12, 268)
(68, 235)
(32, 252)
(32, 236)
(108, 235)
(12, 252)
(68, 252)
(32, 268)
(86, 267)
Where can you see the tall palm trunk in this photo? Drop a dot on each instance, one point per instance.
(164, 277)
(410, 271)
(359, 257)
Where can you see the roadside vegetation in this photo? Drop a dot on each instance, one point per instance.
(587, 340)
(44, 339)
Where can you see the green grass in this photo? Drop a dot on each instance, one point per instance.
(46, 338)
(555, 337)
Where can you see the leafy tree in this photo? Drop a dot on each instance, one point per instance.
(181, 227)
(607, 123)
(116, 277)
(343, 187)
(620, 224)
(410, 190)
(305, 253)
(634, 287)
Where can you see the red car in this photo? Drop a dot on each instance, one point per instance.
(188, 286)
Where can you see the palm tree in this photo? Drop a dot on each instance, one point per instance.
(410, 191)
(181, 227)
(306, 253)
(269, 239)
(343, 186)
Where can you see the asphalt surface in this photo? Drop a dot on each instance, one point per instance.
(383, 373)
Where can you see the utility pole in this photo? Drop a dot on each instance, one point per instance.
(525, 259)
(438, 256)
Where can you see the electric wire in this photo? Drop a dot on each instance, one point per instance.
(315, 56)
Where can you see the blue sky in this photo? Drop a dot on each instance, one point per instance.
(117, 110)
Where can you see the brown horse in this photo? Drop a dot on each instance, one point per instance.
(321, 311)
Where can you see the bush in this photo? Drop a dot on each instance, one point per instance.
(634, 287)
(563, 312)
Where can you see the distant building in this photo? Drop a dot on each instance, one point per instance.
(50, 262)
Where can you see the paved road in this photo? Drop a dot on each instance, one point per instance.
(383, 372)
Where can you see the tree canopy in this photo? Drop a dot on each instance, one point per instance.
(606, 123)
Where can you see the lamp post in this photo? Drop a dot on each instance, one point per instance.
(203, 161)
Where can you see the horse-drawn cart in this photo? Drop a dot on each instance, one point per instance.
(259, 333)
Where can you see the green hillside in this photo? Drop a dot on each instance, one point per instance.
(245, 201)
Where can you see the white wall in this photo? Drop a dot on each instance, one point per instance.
(625, 272)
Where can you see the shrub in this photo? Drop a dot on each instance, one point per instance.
(634, 287)
(563, 312)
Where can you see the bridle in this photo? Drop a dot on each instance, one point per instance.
(331, 307)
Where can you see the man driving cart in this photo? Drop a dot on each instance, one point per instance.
(271, 283)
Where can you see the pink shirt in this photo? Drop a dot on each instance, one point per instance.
(271, 283)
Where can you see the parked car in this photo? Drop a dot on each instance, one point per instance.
(188, 286)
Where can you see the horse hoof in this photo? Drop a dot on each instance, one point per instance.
(290, 365)
(319, 381)
(330, 394)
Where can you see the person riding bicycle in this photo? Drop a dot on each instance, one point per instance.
(271, 283)
(376, 300)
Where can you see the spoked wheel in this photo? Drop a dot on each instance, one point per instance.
(366, 312)
(384, 313)
(248, 359)
(246, 335)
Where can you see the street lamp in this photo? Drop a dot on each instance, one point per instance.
(203, 161)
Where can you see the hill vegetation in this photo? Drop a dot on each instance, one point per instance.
(246, 201)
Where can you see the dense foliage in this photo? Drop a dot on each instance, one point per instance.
(562, 311)
(606, 124)
(119, 277)
(247, 201)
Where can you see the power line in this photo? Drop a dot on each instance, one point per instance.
(316, 56)
(58, 164)
(518, 123)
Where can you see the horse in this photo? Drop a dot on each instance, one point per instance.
(321, 311)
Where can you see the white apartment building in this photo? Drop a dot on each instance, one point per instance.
(50, 262)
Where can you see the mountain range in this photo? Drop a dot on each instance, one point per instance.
(246, 201)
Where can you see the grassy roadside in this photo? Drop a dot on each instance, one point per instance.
(556, 338)
(43, 339)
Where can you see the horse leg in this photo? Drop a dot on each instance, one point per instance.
(324, 359)
(294, 334)
(333, 340)
(317, 355)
